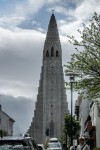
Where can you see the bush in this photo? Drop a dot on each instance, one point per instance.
(96, 148)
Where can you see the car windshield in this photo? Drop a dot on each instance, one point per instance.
(54, 145)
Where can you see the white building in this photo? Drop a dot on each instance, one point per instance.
(6, 122)
(93, 125)
(88, 114)
(95, 118)
(82, 112)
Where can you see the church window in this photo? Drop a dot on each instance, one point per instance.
(57, 53)
(52, 52)
(51, 128)
(47, 132)
(47, 53)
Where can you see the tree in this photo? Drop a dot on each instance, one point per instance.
(67, 128)
(87, 61)
(75, 126)
(3, 133)
(45, 143)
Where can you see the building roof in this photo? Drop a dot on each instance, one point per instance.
(7, 116)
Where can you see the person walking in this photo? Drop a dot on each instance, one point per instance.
(82, 145)
(72, 148)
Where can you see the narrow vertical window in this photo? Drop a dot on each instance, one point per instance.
(57, 53)
(47, 53)
(52, 52)
(51, 128)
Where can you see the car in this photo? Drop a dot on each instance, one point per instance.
(53, 140)
(54, 146)
(18, 143)
(41, 147)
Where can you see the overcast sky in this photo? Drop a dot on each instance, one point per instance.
(23, 27)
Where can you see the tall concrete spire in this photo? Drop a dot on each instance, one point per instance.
(51, 105)
(52, 28)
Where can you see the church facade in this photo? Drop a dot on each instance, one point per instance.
(51, 105)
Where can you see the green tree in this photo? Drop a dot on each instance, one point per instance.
(64, 139)
(87, 60)
(3, 133)
(67, 128)
(75, 126)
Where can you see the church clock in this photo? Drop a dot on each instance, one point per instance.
(51, 65)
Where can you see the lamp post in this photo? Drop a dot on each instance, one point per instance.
(72, 79)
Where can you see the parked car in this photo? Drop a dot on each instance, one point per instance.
(18, 143)
(54, 146)
(54, 140)
(41, 147)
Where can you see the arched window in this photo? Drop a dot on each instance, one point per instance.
(47, 53)
(47, 132)
(52, 52)
(57, 53)
(51, 128)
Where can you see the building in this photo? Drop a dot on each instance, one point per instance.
(92, 125)
(51, 105)
(6, 123)
(82, 112)
(88, 114)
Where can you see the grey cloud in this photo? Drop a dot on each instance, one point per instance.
(20, 57)
(14, 67)
(20, 60)
(20, 109)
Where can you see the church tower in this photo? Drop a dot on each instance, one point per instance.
(51, 105)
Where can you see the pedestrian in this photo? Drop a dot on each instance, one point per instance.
(72, 148)
(82, 145)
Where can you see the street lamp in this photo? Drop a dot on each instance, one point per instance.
(72, 80)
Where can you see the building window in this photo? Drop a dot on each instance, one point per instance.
(47, 132)
(52, 52)
(57, 53)
(51, 128)
(47, 53)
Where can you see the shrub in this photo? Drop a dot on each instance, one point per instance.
(96, 148)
